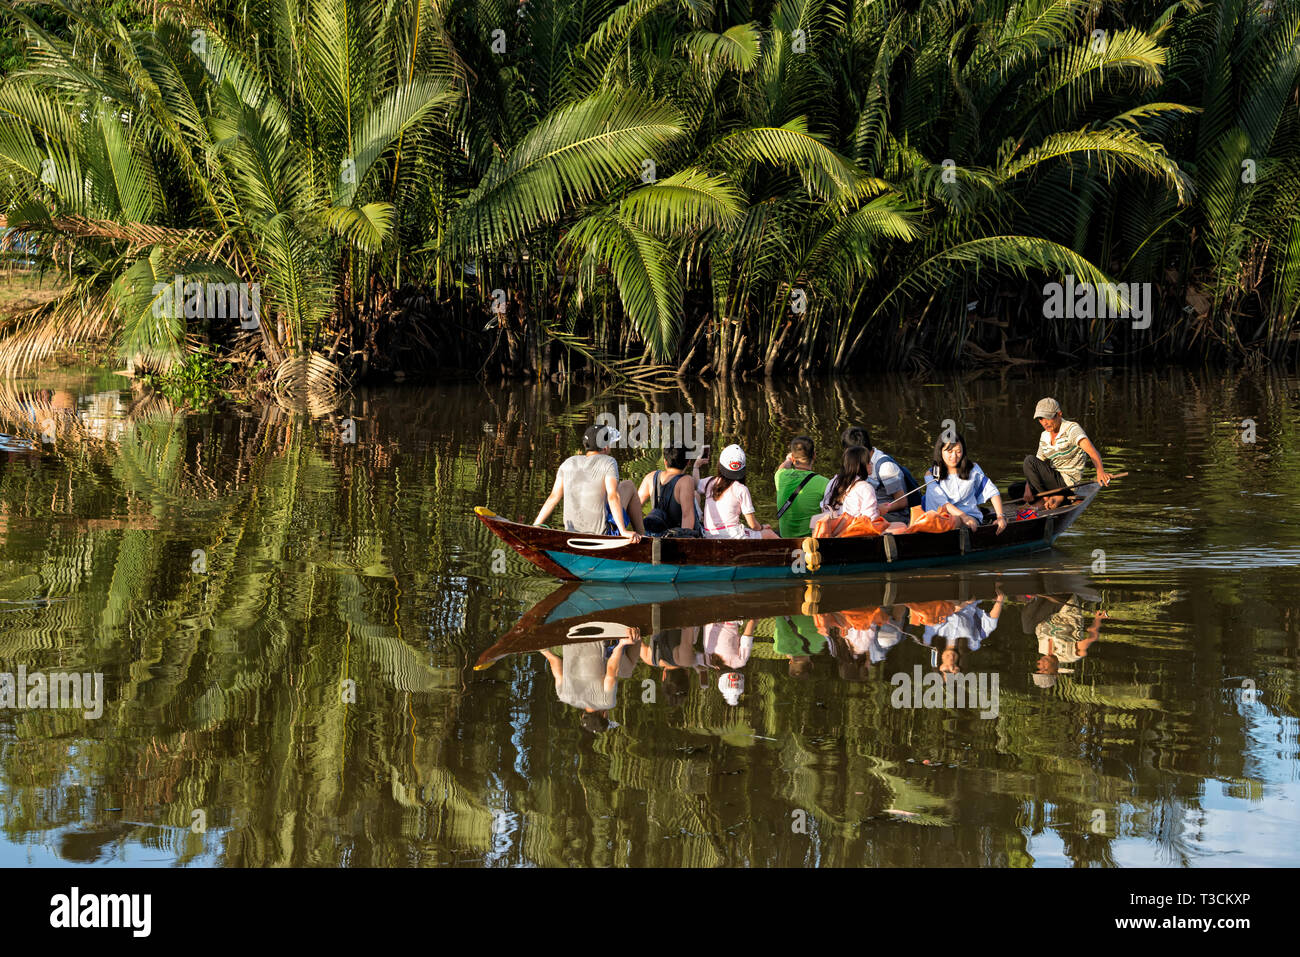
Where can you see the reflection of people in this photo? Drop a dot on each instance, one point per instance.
(674, 652)
(587, 677)
(797, 637)
(732, 686)
(969, 624)
(727, 646)
(595, 501)
(853, 638)
(1063, 633)
(887, 634)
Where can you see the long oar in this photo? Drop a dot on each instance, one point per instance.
(1065, 488)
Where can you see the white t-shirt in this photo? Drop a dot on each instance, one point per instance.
(1064, 454)
(585, 500)
(965, 494)
(860, 499)
(886, 479)
(723, 515)
(859, 639)
(723, 638)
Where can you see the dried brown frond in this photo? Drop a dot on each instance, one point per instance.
(309, 383)
(137, 235)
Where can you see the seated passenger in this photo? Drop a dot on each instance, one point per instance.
(595, 501)
(671, 494)
(853, 436)
(890, 480)
(956, 486)
(852, 497)
(798, 489)
(727, 500)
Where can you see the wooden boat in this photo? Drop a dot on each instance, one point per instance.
(579, 611)
(573, 556)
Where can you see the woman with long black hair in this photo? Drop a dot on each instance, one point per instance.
(954, 485)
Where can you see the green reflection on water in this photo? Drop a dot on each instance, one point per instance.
(327, 562)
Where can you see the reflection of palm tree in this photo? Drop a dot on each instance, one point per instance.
(244, 636)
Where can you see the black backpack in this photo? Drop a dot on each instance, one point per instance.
(914, 489)
(657, 522)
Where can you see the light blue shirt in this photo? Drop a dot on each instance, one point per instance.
(965, 494)
(972, 623)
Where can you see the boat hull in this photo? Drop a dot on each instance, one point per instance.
(575, 557)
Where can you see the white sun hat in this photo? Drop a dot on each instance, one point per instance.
(732, 461)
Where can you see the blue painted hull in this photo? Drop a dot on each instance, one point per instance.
(593, 569)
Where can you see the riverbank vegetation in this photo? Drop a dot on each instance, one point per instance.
(561, 187)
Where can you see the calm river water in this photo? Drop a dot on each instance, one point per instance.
(287, 625)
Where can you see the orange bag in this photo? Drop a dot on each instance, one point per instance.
(933, 522)
(824, 623)
(864, 618)
(847, 526)
(931, 612)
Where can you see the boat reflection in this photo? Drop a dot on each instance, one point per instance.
(594, 635)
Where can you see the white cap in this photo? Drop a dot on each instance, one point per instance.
(732, 459)
(732, 686)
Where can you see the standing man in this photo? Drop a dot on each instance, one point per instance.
(595, 501)
(1063, 453)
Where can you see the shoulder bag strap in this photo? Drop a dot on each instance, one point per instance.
(795, 494)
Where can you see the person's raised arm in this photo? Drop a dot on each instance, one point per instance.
(1103, 477)
(552, 500)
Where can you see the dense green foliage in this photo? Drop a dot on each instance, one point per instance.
(194, 381)
(731, 185)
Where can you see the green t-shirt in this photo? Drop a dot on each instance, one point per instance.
(794, 523)
(797, 635)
